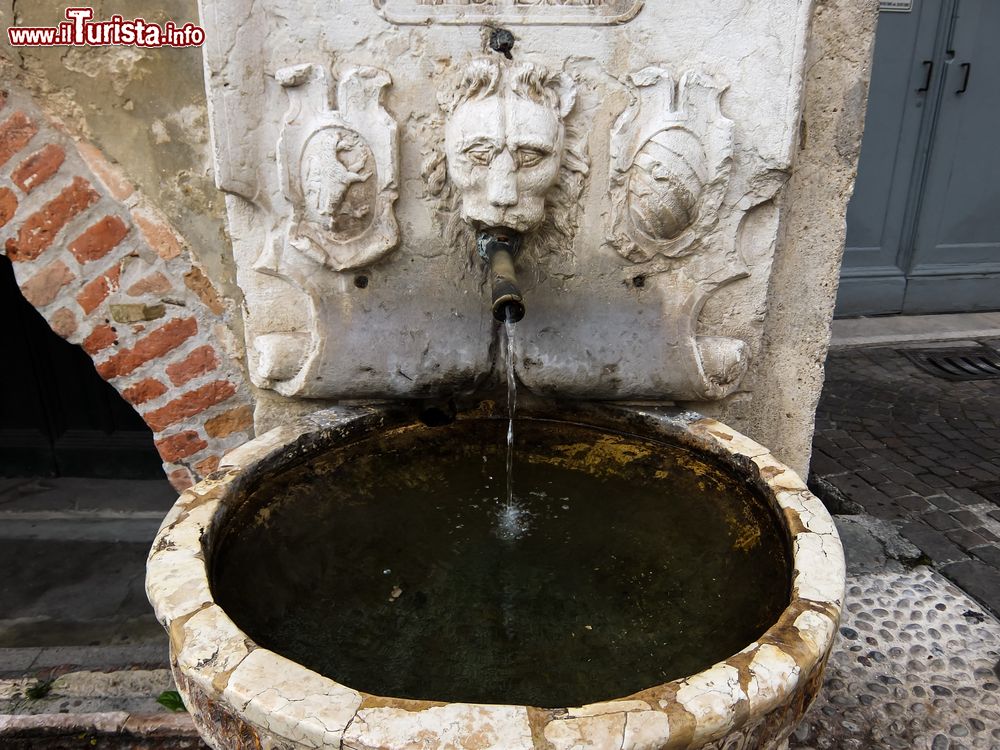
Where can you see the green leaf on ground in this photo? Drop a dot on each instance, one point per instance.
(171, 700)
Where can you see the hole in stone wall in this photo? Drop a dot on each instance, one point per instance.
(361, 282)
(438, 416)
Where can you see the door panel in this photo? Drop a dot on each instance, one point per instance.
(957, 245)
(924, 224)
(903, 77)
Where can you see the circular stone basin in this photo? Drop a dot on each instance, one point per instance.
(360, 579)
(396, 565)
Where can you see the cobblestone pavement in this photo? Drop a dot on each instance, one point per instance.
(900, 444)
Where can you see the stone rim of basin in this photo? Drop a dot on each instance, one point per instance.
(240, 694)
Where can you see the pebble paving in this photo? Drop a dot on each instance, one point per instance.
(917, 666)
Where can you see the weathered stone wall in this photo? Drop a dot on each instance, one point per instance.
(108, 272)
(786, 378)
(144, 108)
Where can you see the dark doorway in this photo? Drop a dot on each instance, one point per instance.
(57, 416)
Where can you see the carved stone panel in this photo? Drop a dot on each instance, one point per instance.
(338, 167)
(638, 147)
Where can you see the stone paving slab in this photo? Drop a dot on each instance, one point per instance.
(68, 592)
(895, 329)
(923, 453)
(85, 493)
(130, 691)
(117, 730)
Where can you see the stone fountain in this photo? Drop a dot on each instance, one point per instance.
(616, 169)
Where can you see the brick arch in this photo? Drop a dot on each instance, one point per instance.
(107, 272)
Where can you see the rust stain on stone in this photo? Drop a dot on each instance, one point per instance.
(220, 680)
(538, 719)
(770, 472)
(403, 704)
(682, 722)
(786, 637)
(794, 522)
(741, 663)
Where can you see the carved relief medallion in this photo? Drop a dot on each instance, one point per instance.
(509, 12)
(670, 157)
(338, 167)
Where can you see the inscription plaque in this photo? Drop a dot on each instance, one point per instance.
(509, 12)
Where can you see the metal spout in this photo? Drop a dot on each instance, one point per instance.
(498, 246)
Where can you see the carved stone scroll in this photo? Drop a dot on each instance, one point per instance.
(671, 152)
(509, 12)
(338, 167)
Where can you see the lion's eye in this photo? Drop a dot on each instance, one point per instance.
(481, 155)
(530, 157)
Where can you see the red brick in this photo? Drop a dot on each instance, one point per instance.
(198, 362)
(181, 445)
(98, 240)
(143, 391)
(239, 419)
(108, 174)
(38, 167)
(63, 322)
(94, 293)
(8, 205)
(158, 234)
(40, 229)
(43, 288)
(207, 465)
(164, 339)
(15, 132)
(155, 283)
(180, 479)
(100, 339)
(198, 283)
(191, 403)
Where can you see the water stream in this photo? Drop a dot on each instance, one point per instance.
(513, 518)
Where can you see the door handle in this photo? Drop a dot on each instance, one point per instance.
(929, 66)
(967, 67)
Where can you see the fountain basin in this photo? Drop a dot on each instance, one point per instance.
(244, 695)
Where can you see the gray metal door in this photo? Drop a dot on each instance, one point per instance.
(924, 224)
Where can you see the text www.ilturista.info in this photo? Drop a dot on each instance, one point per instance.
(80, 31)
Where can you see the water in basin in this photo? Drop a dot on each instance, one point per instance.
(393, 565)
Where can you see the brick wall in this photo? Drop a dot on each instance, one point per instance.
(110, 274)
